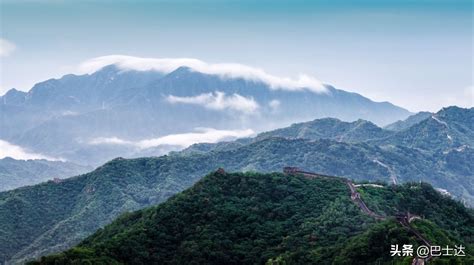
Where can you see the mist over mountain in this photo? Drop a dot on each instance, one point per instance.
(112, 112)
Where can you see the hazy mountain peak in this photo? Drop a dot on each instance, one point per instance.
(456, 113)
(225, 70)
(127, 100)
(13, 97)
(449, 128)
(330, 128)
(408, 122)
(362, 122)
(183, 69)
(186, 72)
(107, 71)
(453, 109)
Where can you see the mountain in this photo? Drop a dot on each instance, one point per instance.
(51, 217)
(330, 128)
(408, 122)
(68, 96)
(17, 173)
(449, 129)
(92, 118)
(445, 139)
(234, 218)
(325, 128)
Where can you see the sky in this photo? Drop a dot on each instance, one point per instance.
(415, 54)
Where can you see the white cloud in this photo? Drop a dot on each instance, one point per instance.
(110, 140)
(204, 135)
(218, 101)
(201, 135)
(6, 47)
(224, 70)
(69, 113)
(274, 104)
(9, 150)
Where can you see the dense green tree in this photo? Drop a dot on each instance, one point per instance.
(236, 218)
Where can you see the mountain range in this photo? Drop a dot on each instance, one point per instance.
(51, 216)
(83, 121)
(89, 119)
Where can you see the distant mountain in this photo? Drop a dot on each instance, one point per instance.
(275, 219)
(326, 128)
(408, 122)
(68, 96)
(425, 141)
(76, 207)
(17, 173)
(330, 128)
(449, 129)
(92, 118)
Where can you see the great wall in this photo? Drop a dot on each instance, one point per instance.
(403, 218)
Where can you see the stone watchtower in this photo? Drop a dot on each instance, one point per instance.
(290, 170)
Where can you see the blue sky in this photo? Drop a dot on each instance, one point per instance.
(416, 54)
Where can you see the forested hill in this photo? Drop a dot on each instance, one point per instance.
(51, 217)
(235, 218)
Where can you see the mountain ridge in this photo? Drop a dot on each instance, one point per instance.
(126, 185)
(70, 112)
(408, 122)
(448, 129)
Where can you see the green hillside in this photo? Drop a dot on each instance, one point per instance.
(274, 219)
(51, 217)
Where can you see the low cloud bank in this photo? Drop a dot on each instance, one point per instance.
(9, 150)
(218, 101)
(201, 135)
(224, 70)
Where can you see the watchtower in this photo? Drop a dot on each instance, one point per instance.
(290, 170)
